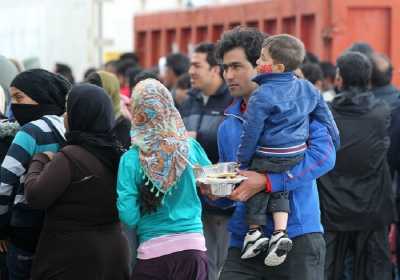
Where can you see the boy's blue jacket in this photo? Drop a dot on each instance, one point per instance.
(299, 181)
(278, 115)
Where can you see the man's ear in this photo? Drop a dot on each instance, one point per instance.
(216, 69)
(338, 81)
(318, 85)
(298, 73)
(279, 68)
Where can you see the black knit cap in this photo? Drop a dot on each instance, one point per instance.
(43, 86)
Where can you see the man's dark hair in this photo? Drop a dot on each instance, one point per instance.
(248, 38)
(178, 63)
(88, 72)
(362, 47)
(65, 71)
(209, 50)
(131, 74)
(111, 63)
(183, 82)
(61, 67)
(124, 65)
(285, 49)
(382, 70)
(131, 56)
(310, 58)
(328, 69)
(355, 69)
(143, 75)
(312, 72)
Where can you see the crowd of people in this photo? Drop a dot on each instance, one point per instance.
(98, 177)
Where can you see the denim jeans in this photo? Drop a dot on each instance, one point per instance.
(19, 263)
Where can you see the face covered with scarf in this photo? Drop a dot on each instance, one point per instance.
(159, 134)
(36, 93)
(89, 122)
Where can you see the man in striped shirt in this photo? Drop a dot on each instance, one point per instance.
(37, 102)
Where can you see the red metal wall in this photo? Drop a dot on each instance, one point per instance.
(327, 27)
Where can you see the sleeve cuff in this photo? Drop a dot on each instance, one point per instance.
(276, 181)
(268, 186)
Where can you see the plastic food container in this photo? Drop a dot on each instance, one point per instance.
(219, 186)
(222, 189)
(219, 168)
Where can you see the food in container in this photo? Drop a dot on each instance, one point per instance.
(221, 177)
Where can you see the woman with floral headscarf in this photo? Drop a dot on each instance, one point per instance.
(157, 190)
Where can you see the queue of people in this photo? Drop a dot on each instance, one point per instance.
(98, 178)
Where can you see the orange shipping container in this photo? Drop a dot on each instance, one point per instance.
(327, 27)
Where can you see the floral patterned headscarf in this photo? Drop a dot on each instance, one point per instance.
(159, 133)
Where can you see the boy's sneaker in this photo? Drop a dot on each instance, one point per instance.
(253, 244)
(279, 246)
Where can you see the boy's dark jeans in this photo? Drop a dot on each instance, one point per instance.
(262, 203)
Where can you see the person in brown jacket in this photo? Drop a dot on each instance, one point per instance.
(81, 237)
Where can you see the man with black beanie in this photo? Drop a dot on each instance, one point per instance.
(37, 100)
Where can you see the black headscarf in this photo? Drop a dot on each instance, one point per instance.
(49, 90)
(43, 86)
(90, 121)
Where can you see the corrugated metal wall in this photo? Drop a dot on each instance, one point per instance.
(327, 27)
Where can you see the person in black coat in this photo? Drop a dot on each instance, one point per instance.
(356, 197)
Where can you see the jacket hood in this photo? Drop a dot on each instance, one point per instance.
(388, 93)
(276, 77)
(354, 101)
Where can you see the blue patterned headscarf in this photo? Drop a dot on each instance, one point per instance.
(159, 133)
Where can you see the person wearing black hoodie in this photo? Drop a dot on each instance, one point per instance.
(383, 89)
(382, 72)
(356, 197)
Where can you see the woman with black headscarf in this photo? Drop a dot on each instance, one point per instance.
(82, 237)
(37, 102)
(109, 82)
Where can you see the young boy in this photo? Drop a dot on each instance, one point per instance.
(274, 138)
